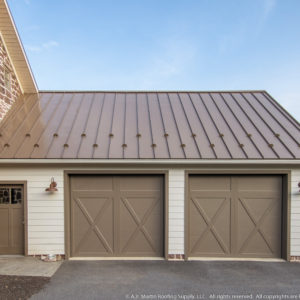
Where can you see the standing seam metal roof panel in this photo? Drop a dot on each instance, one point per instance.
(233, 122)
(148, 125)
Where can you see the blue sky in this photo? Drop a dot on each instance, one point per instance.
(164, 45)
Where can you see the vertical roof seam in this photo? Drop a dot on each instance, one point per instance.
(36, 120)
(163, 123)
(252, 122)
(112, 122)
(124, 127)
(137, 126)
(60, 121)
(190, 127)
(202, 125)
(229, 127)
(98, 126)
(213, 121)
(10, 138)
(6, 120)
(270, 128)
(86, 122)
(176, 125)
(33, 124)
(150, 123)
(237, 119)
(73, 122)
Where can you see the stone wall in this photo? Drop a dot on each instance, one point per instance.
(9, 86)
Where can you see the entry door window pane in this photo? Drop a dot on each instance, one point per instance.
(4, 196)
(11, 194)
(16, 196)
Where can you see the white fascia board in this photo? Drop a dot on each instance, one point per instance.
(197, 162)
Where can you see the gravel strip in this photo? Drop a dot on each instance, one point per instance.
(20, 287)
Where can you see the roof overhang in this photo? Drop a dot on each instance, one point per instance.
(15, 50)
(282, 163)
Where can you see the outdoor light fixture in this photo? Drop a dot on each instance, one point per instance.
(299, 185)
(52, 187)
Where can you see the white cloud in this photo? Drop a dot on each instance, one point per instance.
(50, 44)
(33, 48)
(44, 46)
(174, 57)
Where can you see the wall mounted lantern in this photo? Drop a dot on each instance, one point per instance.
(52, 187)
(299, 185)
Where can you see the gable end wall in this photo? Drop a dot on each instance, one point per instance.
(7, 97)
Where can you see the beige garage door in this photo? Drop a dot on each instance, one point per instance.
(235, 216)
(117, 216)
(11, 219)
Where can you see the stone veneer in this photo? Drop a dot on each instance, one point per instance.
(7, 96)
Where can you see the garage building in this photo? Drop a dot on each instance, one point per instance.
(144, 174)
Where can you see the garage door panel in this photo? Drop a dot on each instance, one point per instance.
(141, 194)
(216, 183)
(92, 224)
(254, 245)
(140, 183)
(212, 216)
(255, 208)
(91, 194)
(139, 204)
(93, 246)
(135, 234)
(195, 232)
(259, 183)
(222, 225)
(208, 207)
(126, 222)
(91, 205)
(258, 194)
(210, 246)
(139, 245)
(128, 225)
(92, 182)
(246, 224)
(259, 226)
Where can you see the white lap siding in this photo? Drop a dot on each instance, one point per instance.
(295, 213)
(176, 211)
(45, 211)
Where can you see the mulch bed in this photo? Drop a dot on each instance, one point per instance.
(20, 287)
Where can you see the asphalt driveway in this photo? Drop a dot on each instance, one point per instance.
(173, 280)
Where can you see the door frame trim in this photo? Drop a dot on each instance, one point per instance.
(286, 201)
(67, 202)
(25, 209)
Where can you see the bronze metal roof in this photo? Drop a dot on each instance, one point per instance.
(140, 125)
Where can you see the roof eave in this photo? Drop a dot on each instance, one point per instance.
(177, 162)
